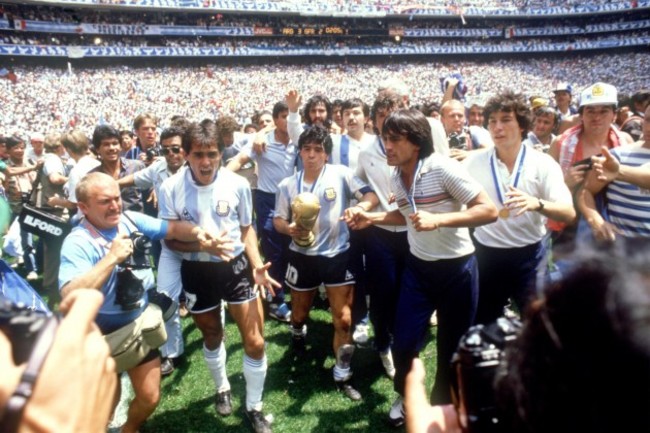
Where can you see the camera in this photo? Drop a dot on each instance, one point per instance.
(22, 327)
(25, 197)
(152, 153)
(457, 141)
(139, 259)
(129, 288)
(477, 367)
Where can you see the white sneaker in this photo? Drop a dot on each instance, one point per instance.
(360, 334)
(387, 362)
(32, 276)
(396, 414)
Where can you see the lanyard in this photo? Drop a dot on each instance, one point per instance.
(410, 196)
(519, 163)
(381, 146)
(301, 177)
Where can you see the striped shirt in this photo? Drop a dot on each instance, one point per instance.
(224, 204)
(442, 185)
(628, 206)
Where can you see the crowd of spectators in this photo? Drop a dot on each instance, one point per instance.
(51, 99)
(324, 43)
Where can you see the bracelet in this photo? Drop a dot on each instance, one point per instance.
(16, 403)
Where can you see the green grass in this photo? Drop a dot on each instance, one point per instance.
(300, 394)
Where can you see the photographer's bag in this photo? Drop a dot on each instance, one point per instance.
(132, 343)
(38, 221)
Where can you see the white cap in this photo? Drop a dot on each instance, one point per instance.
(37, 136)
(599, 94)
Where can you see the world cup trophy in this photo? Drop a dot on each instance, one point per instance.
(305, 208)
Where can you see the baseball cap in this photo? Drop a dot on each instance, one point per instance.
(599, 94)
(563, 87)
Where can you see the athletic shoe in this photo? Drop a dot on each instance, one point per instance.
(32, 276)
(280, 312)
(223, 403)
(348, 390)
(167, 366)
(258, 421)
(360, 334)
(396, 414)
(387, 362)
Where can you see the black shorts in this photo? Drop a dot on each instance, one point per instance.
(306, 273)
(207, 283)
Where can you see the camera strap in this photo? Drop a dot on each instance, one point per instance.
(16, 404)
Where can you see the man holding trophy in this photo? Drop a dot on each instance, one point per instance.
(312, 207)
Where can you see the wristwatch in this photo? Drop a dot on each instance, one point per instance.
(541, 205)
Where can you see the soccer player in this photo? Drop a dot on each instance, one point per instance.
(325, 261)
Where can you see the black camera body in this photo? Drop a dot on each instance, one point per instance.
(152, 152)
(139, 259)
(21, 327)
(457, 141)
(477, 366)
(129, 290)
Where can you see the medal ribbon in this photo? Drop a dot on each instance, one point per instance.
(301, 177)
(517, 169)
(411, 194)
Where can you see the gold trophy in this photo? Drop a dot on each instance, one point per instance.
(305, 208)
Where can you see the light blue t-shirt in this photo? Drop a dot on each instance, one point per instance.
(86, 245)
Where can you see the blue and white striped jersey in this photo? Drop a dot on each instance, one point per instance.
(335, 187)
(224, 204)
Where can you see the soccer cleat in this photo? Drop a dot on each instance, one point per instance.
(348, 390)
(396, 414)
(360, 334)
(387, 362)
(32, 276)
(258, 421)
(280, 312)
(223, 403)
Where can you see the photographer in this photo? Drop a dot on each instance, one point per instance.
(462, 138)
(70, 390)
(581, 362)
(93, 256)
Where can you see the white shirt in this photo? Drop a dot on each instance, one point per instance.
(541, 177)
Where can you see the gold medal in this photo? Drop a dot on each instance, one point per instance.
(504, 213)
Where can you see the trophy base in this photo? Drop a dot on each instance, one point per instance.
(305, 242)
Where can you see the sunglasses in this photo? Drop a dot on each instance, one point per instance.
(171, 149)
(211, 154)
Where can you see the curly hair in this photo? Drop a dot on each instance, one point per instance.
(509, 102)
